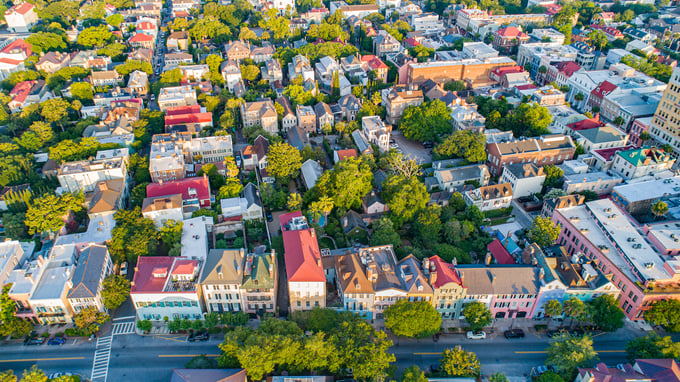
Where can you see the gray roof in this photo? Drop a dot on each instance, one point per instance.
(321, 109)
(524, 170)
(462, 173)
(223, 266)
(251, 194)
(601, 134)
(501, 280)
(352, 220)
(297, 137)
(88, 276)
(362, 144)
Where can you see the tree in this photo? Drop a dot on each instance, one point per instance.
(132, 236)
(529, 120)
(553, 177)
(406, 197)
(413, 374)
(48, 213)
(477, 315)
(618, 121)
(146, 325)
(426, 122)
(598, 39)
(250, 72)
(550, 376)
(384, 233)
(665, 313)
(284, 162)
(455, 86)
(465, 144)
(402, 165)
(231, 189)
(347, 183)
(456, 362)
(428, 225)
(575, 309)
(43, 42)
(659, 208)
(131, 65)
(55, 110)
(553, 308)
(82, 91)
(35, 137)
(363, 350)
(294, 201)
(34, 375)
(94, 36)
(566, 353)
(10, 325)
(115, 290)
(543, 231)
(89, 319)
(498, 377)
(8, 376)
(417, 319)
(171, 236)
(652, 346)
(604, 311)
(115, 20)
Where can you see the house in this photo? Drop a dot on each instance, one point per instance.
(599, 138)
(371, 63)
(413, 278)
(499, 254)
(176, 96)
(376, 132)
(324, 115)
(358, 10)
(195, 192)
(86, 174)
(50, 62)
(300, 66)
(12, 256)
(260, 54)
(9, 66)
(310, 171)
(339, 155)
(306, 278)
(288, 118)
(298, 138)
(447, 286)
(105, 78)
(381, 271)
(384, 44)
(353, 225)
(161, 209)
(21, 17)
(260, 281)
(27, 93)
(396, 99)
(231, 72)
(553, 204)
(94, 264)
(636, 163)
(141, 54)
(350, 106)
(354, 288)
(525, 179)
(272, 71)
(306, 118)
(237, 50)
(173, 60)
(48, 297)
(253, 207)
(260, 113)
(209, 149)
(108, 197)
(637, 197)
(544, 150)
(450, 178)
(373, 204)
(599, 182)
(260, 150)
(23, 279)
(488, 198)
(138, 84)
(178, 40)
(142, 40)
(466, 117)
(192, 73)
(507, 39)
(166, 287)
(186, 119)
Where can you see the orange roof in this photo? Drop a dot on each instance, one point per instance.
(347, 153)
(303, 257)
(511, 32)
(141, 37)
(18, 44)
(20, 9)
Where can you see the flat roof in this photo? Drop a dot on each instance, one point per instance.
(52, 283)
(195, 238)
(649, 190)
(667, 233)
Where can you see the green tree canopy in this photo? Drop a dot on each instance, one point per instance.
(283, 161)
(465, 144)
(95, 36)
(543, 232)
(567, 353)
(457, 362)
(665, 313)
(131, 65)
(477, 315)
(89, 319)
(349, 181)
(405, 196)
(48, 212)
(605, 312)
(115, 290)
(652, 346)
(426, 122)
(417, 319)
(133, 236)
(43, 42)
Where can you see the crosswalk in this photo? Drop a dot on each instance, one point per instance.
(123, 328)
(102, 354)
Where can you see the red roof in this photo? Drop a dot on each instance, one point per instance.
(586, 124)
(603, 89)
(507, 70)
(181, 14)
(141, 37)
(18, 44)
(188, 118)
(611, 31)
(607, 15)
(608, 154)
(190, 188)
(177, 110)
(446, 273)
(302, 256)
(21, 91)
(411, 42)
(10, 61)
(499, 253)
(568, 67)
(552, 9)
(152, 272)
(286, 218)
(525, 87)
(347, 153)
(145, 25)
(511, 32)
(20, 9)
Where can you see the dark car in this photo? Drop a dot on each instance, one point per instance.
(34, 341)
(435, 367)
(270, 218)
(57, 341)
(196, 336)
(577, 332)
(514, 333)
(428, 145)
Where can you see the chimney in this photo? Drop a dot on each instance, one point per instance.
(271, 270)
(433, 277)
(102, 186)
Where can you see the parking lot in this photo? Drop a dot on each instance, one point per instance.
(412, 148)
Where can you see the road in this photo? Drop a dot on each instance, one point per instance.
(153, 358)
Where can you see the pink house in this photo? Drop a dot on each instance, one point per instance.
(639, 126)
(601, 231)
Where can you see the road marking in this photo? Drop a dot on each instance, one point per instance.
(123, 318)
(545, 351)
(598, 334)
(185, 355)
(427, 353)
(41, 359)
(173, 339)
(123, 328)
(100, 362)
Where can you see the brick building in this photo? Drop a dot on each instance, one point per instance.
(544, 150)
(476, 72)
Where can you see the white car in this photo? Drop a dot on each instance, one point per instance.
(476, 335)
(123, 268)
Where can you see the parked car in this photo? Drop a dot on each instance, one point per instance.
(30, 341)
(514, 333)
(476, 335)
(198, 336)
(57, 375)
(57, 341)
(123, 268)
(428, 145)
(269, 216)
(577, 332)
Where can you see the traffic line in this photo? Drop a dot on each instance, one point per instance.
(427, 353)
(545, 351)
(124, 318)
(40, 359)
(120, 328)
(173, 339)
(185, 355)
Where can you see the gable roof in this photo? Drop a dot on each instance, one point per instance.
(223, 266)
(197, 187)
(446, 273)
(499, 253)
(250, 193)
(88, 274)
(162, 203)
(303, 257)
(663, 370)
(351, 275)
(141, 37)
(21, 9)
(412, 276)
(567, 67)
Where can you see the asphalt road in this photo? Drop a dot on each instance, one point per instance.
(135, 358)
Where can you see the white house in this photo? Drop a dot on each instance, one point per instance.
(525, 179)
(49, 295)
(195, 237)
(94, 264)
(221, 279)
(490, 197)
(163, 208)
(376, 131)
(20, 18)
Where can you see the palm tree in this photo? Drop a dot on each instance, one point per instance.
(294, 201)
(552, 309)
(315, 209)
(575, 309)
(659, 208)
(326, 204)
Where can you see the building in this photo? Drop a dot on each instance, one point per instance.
(599, 182)
(354, 288)
(50, 62)
(237, 50)
(525, 179)
(86, 174)
(142, 40)
(547, 149)
(178, 40)
(11, 256)
(221, 279)
(376, 132)
(324, 115)
(163, 208)
(600, 230)
(547, 35)
(94, 264)
(260, 113)
(359, 10)
(260, 281)
(637, 198)
(427, 23)
(23, 280)
(202, 375)
(397, 98)
(20, 18)
(166, 287)
(105, 78)
(603, 137)
(138, 84)
(488, 198)
(552, 204)
(195, 192)
(300, 66)
(466, 117)
(413, 278)
(450, 177)
(384, 44)
(306, 118)
(636, 163)
(381, 271)
(506, 40)
(176, 96)
(475, 72)
(306, 278)
(210, 149)
(48, 298)
(447, 286)
(561, 72)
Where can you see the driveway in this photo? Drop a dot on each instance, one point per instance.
(412, 148)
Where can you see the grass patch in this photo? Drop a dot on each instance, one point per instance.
(540, 327)
(498, 221)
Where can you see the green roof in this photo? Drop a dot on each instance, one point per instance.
(256, 271)
(637, 157)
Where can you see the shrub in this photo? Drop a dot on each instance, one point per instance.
(214, 330)
(70, 332)
(45, 335)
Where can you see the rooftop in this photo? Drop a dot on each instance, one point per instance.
(163, 274)
(380, 264)
(500, 280)
(303, 257)
(649, 190)
(259, 270)
(88, 274)
(195, 237)
(223, 266)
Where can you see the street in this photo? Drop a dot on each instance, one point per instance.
(152, 358)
